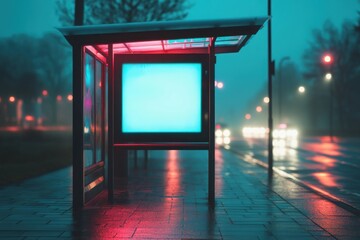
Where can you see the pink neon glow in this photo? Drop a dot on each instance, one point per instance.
(12, 99)
(29, 118)
(173, 174)
(59, 98)
(174, 45)
(70, 97)
(259, 109)
(45, 92)
(248, 116)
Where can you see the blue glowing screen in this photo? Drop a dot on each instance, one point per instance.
(161, 97)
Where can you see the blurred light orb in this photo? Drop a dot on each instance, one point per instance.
(327, 58)
(266, 100)
(328, 76)
(301, 89)
(226, 133)
(219, 141)
(227, 140)
(218, 133)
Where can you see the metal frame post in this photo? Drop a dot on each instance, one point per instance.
(211, 152)
(111, 123)
(79, 12)
(78, 128)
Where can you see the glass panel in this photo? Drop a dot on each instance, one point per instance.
(144, 44)
(120, 48)
(228, 40)
(98, 107)
(88, 110)
(186, 43)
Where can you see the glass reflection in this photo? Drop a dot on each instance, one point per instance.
(326, 161)
(219, 165)
(328, 148)
(172, 177)
(326, 179)
(99, 114)
(88, 110)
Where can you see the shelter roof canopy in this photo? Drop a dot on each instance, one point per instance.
(166, 37)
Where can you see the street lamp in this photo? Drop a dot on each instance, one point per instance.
(45, 92)
(220, 85)
(12, 99)
(282, 60)
(328, 60)
(328, 76)
(301, 89)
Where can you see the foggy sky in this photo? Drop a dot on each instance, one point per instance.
(244, 73)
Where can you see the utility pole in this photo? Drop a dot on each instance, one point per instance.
(79, 13)
(270, 73)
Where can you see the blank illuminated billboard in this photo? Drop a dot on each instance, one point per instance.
(161, 97)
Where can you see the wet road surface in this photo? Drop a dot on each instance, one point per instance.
(330, 165)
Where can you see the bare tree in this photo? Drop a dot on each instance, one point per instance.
(121, 11)
(29, 65)
(18, 67)
(54, 61)
(344, 45)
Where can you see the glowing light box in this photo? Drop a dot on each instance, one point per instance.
(161, 98)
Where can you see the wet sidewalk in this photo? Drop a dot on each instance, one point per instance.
(168, 200)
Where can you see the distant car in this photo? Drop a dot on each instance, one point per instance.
(222, 135)
(285, 132)
(255, 132)
(285, 136)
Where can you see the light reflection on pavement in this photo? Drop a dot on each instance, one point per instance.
(332, 166)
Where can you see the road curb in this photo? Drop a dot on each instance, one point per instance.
(328, 196)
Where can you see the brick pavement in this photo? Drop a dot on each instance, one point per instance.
(168, 200)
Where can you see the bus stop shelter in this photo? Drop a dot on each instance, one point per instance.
(109, 114)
